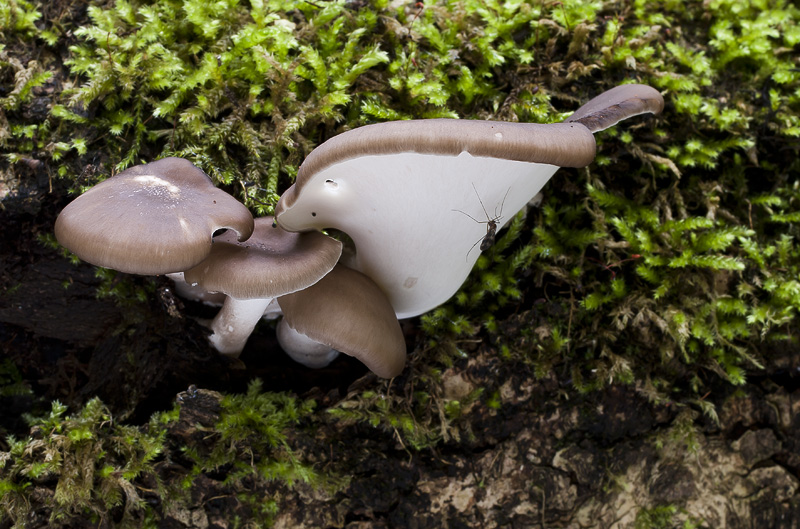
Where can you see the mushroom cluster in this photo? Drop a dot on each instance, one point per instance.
(420, 200)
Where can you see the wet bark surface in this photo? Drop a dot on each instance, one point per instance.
(549, 458)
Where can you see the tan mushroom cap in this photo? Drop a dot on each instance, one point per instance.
(347, 311)
(556, 144)
(271, 263)
(421, 199)
(616, 104)
(150, 219)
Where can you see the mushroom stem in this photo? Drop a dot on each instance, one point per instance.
(235, 322)
(303, 349)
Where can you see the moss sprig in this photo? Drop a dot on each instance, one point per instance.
(95, 462)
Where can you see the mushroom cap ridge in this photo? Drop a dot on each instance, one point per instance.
(559, 144)
(155, 218)
(347, 311)
(271, 263)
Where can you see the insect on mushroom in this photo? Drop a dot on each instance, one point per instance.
(491, 223)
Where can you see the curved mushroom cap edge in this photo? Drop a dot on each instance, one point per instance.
(560, 144)
(151, 219)
(272, 262)
(617, 104)
(347, 311)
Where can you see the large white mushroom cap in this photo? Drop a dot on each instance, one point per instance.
(404, 192)
(398, 190)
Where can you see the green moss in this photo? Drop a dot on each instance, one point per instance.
(102, 468)
(419, 420)
(673, 253)
(93, 460)
(11, 381)
(256, 423)
(665, 517)
(251, 442)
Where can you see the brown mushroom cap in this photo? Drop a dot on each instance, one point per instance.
(612, 106)
(150, 219)
(271, 263)
(558, 144)
(347, 311)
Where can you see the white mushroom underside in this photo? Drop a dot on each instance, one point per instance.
(303, 349)
(399, 209)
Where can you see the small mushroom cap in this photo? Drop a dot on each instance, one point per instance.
(156, 218)
(612, 106)
(347, 311)
(271, 263)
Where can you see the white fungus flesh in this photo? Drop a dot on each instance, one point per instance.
(422, 198)
(428, 243)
